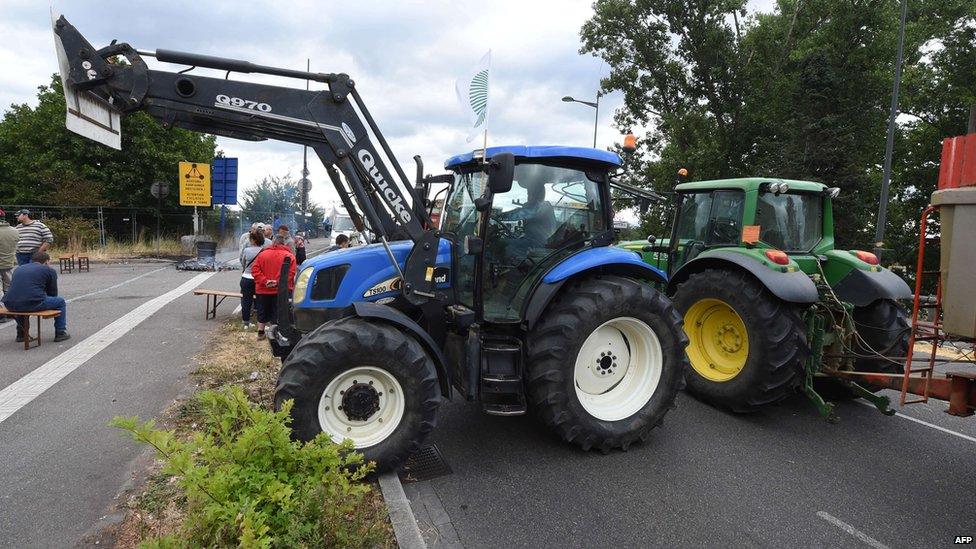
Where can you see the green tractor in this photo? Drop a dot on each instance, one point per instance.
(769, 305)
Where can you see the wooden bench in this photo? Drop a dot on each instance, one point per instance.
(216, 297)
(51, 313)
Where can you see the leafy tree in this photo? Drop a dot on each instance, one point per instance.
(802, 92)
(41, 162)
(277, 196)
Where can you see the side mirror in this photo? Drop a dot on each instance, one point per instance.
(501, 172)
(643, 204)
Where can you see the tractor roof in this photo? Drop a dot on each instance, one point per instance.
(747, 184)
(586, 154)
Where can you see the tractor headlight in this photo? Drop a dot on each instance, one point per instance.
(301, 285)
(834, 192)
(783, 187)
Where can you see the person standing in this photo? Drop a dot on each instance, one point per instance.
(34, 237)
(266, 269)
(8, 249)
(300, 254)
(284, 231)
(35, 288)
(341, 243)
(248, 255)
(245, 239)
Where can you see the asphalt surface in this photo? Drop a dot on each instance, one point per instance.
(706, 478)
(61, 466)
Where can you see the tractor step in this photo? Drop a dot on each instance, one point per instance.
(502, 389)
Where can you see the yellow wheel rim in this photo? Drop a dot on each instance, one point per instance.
(718, 341)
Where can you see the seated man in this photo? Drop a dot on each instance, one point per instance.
(35, 288)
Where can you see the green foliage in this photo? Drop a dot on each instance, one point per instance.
(75, 234)
(802, 92)
(275, 196)
(38, 155)
(248, 484)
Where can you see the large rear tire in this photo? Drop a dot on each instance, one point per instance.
(606, 362)
(365, 381)
(747, 347)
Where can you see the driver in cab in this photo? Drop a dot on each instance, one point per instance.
(536, 214)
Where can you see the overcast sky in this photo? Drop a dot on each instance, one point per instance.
(404, 56)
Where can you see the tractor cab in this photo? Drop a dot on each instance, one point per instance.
(557, 205)
(789, 216)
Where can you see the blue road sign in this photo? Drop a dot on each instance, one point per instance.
(224, 180)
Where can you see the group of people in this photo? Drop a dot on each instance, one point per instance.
(33, 284)
(263, 252)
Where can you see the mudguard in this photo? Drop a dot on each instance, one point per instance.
(602, 260)
(365, 309)
(861, 287)
(794, 287)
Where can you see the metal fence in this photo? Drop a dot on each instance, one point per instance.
(131, 225)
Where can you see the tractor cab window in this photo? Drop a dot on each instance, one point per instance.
(790, 222)
(549, 213)
(711, 219)
(460, 219)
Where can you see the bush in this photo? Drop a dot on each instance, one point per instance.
(248, 484)
(74, 234)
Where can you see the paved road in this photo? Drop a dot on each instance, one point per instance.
(60, 464)
(781, 477)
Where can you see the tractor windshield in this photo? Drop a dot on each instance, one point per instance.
(790, 222)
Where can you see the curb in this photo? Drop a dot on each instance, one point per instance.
(405, 526)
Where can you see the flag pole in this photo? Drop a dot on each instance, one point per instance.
(487, 108)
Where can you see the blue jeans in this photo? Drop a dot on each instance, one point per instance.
(23, 258)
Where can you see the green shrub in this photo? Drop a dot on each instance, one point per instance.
(72, 233)
(248, 484)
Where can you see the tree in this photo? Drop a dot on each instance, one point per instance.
(38, 156)
(802, 92)
(277, 197)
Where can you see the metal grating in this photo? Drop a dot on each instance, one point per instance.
(425, 464)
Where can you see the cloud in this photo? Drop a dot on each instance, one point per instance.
(403, 55)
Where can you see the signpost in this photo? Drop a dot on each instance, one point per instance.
(159, 189)
(195, 188)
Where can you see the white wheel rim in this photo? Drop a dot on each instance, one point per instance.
(618, 369)
(380, 424)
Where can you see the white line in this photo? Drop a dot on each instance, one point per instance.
(96, 292)
(851, 530)
(236, 310)
(925, 423)
(405, 526)
(21, 392)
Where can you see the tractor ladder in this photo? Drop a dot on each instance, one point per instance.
(958, 388)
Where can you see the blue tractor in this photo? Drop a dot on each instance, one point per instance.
(515, 298)
(535, 309)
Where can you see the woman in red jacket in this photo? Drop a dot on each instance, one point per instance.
(266, 268)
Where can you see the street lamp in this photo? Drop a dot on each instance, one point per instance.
(595, 105)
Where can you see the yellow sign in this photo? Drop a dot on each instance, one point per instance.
(194, 184)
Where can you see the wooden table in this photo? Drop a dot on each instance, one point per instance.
(216, 297)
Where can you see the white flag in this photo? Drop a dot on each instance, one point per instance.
(472, 94)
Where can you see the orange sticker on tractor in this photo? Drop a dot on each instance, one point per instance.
(750, 234)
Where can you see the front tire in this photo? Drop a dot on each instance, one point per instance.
(747, 347)
(606, 362)
(365, 381)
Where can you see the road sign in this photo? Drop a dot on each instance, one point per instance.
(225, 181)
(194, 184)
(159, 189)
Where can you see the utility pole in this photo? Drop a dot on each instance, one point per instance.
(879, 230)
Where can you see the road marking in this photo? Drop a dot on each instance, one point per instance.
(96, 292)
(21, 392)
(405, 526)
(236, 310)
(925, 423)
(851, 530)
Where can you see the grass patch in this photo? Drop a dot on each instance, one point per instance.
(236, 377)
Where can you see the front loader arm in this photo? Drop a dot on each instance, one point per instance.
(332, 122)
